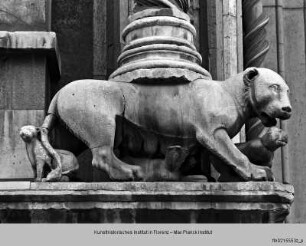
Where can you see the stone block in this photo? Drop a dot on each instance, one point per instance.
(17, 185)
(147, 202)
(25, 15)
(29, 63)
(35, 43)
(159, 45)
(23, 82)
(14, 163)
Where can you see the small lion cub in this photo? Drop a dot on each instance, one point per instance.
(39, 156)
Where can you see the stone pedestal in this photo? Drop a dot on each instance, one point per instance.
(159, 45)
(138, 202)
(29, 64)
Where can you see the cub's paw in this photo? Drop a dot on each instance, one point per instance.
(53, 176)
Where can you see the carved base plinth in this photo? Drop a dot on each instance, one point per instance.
(159, 45)
(138, 202)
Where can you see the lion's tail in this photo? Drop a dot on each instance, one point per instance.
(46, 127)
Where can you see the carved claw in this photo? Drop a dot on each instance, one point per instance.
(262, 174)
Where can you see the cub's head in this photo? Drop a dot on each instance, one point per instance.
(274, 138)
(28, 133)
(268, 95)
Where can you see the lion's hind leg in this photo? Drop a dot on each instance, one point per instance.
(105, 159)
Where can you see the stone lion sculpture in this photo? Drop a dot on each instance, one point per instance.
(162, 169)
(205, 112)
(39, 157)
(259, 151)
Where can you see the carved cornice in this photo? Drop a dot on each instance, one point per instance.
(145, 202)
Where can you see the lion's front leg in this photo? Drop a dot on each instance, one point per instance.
(220, 144)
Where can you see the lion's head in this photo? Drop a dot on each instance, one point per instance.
(27, 133)
(268, 95)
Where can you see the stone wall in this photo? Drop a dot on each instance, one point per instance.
(25, 15)
(295, 72)
(30, 66)
(72, 21)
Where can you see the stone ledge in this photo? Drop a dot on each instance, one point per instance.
(159, 191)
(33, 42)
(137, 202)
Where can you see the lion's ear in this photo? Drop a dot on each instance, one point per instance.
(250, 76)
(38, 133)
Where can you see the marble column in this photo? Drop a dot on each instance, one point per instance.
(225, 43)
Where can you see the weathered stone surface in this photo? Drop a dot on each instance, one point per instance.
(147, 72)
(73, 24)
(41, 43)
(295, 70)
(159, 45)
(25, 15)
(145, 202)
(295, 73)
(29, 61)
(14, 162)
(28, 40)
(174, 52)
(22, 81)
(181, 5)
(159, 117)
(100, 35)
(40, 159)
(259, 151)
(159, 12)
(151, 26)
(18, 185)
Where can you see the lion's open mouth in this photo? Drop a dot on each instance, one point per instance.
(267, 120)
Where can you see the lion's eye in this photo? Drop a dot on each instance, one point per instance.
(275, 87)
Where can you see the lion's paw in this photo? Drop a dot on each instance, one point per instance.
(262, 174)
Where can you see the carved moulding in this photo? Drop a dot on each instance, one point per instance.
(182, 5)
(159, 45)
(150, 202)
